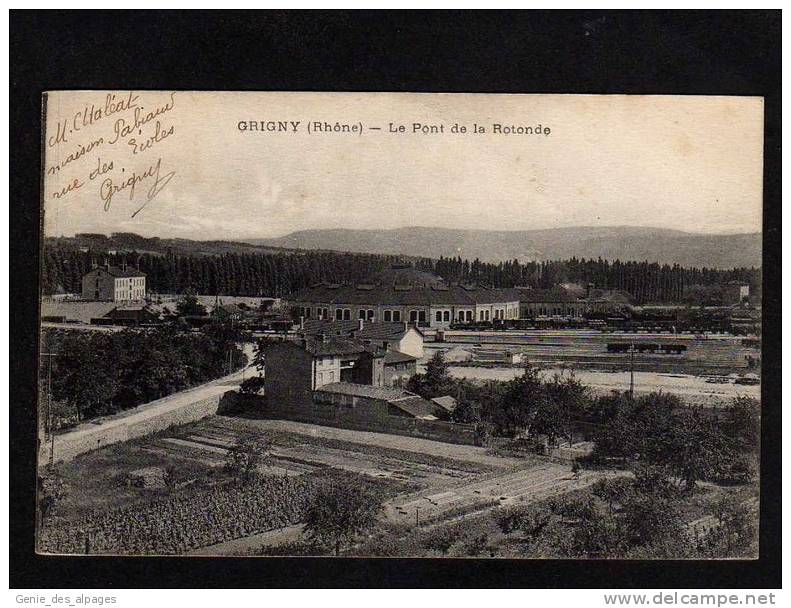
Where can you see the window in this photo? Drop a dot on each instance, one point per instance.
(339, 314)
(438, 316)
(413, 316)
(319, 378)
(446, 315)
(371, 315)
(362, 314)
(388, 316)
(469, 315)
(421, 316)
(332, 376)
(347, 314)
(396, 316)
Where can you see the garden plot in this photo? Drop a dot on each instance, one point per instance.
(296, 454)
(518, 487)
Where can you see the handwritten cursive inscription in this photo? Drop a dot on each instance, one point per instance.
(91, 115)
(109, 188)
(124, 128)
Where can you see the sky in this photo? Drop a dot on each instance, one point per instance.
(687, 163)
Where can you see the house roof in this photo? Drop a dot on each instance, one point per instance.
(372, 330)
(131, 312)
(332, 345)
(386, 393)
(393, 357)
(417, 406)
(410, 403)
(446, 402)
(119, 273)
(82, 311)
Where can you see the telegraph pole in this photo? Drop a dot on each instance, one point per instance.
(631, 372)
(49, 405)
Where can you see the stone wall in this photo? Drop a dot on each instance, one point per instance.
(90, 437)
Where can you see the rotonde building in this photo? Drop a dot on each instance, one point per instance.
(403, 293)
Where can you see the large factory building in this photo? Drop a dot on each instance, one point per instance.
(403, 293)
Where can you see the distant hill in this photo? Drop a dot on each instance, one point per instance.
(128, 241)
(621, 242)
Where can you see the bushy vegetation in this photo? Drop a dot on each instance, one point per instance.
(641, 517)
(337, 514)
(100, 373)
(693, 443)
(244, 458)
(526, 405)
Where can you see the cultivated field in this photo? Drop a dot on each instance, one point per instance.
(432, 481)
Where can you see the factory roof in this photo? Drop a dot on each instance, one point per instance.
(556, 294)
(404, 295)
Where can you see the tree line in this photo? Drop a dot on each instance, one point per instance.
(278, 274)
(644, 281)
(85, 374)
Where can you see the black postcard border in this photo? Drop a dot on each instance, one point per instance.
(596, 52)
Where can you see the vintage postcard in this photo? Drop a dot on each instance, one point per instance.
(400, 325)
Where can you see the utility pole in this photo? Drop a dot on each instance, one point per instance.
(631, 372)
(49, 405)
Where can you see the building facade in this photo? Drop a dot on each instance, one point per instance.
(296, 368)
(112, 284)
(404, 294)
(401, 337)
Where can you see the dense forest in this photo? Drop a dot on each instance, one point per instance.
(278, 274)
(98, 373)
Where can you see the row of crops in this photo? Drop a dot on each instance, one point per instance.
(184, 521)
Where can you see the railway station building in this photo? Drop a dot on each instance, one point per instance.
(403, 293)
